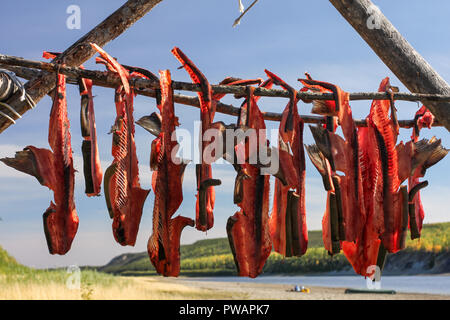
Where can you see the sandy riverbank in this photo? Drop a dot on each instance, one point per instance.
(183, 288)
(255, 291)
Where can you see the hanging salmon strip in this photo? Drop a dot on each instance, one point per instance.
(164, 244)
(382, 176)
(368, 249)
(376, 156)
(365, 251)
(386, 202)
(248, 229)
(92, 168)
(91, 160)
(423, 119)
(54, 169)
(204, 218)
(124, 196)
(288, 219)
(393, 198)
(221, 127)
(414, 159)
(345, 214)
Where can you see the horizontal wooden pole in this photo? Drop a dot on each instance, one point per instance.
(109, 80)
(107, 77)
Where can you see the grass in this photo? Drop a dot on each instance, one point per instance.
(205, 258)
(18, 282)
(148, 288)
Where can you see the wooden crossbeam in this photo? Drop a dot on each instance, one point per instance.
(81, 51)
(104, 78)
(147, 88)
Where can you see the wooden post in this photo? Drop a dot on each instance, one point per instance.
(396, 53)
(80, 51)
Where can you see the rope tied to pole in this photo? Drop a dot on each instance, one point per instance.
(10, 85)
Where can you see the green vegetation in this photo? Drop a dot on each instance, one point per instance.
(8, 264)
(213, 257)
(18, 278)
(435, 238)
(18, 282)
(206, 258)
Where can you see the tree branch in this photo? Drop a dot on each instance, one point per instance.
(396, 53)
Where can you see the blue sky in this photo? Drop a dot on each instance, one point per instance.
(287, 37)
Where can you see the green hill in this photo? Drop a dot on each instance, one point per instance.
(8, 264)
(20, 282)
(204, 256)
(430, 254)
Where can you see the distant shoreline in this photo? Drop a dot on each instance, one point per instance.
(257, 291)
(312, 274)
(212, 257)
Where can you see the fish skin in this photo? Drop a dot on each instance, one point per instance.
(327, 107)
(342, 155)
(171, 266)
(62, 221)
(425, 153)
(204, 217)
(164, 244)
(248, 229)
(386, 135)
(290, 132)
(424, 119)
(93, 171)
(151, 123)
(54, 169)
(364, 252)
(92, 167)
(384, 204)
(126, 197)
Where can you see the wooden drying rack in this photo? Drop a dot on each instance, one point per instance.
(390, 46)
(29, 69)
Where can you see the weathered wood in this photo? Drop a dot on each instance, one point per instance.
(81, 51)
(398, 55)
(104, 77)
(228, 109)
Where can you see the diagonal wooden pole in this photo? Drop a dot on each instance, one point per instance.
(396, 53)
(80, 51)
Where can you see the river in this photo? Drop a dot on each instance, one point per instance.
(415, 284)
